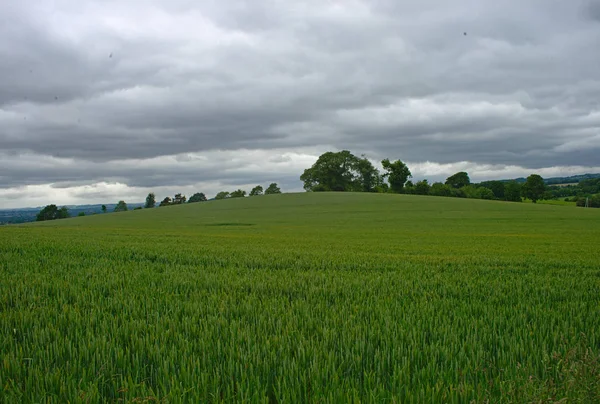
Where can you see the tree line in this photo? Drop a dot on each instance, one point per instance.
(52, 212)
(343, 171)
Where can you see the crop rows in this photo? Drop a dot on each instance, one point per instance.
(298, 311)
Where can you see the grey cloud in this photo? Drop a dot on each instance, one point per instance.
(190, 77)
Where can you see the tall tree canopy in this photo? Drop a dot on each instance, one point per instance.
(179, 199)
(166, 202)
(458, 180)
(240, 193)
(273, 188)
(222, 195)
(197, 197)
(257, 190)
(52, 212)
(121, 206)
(150, 201)
(396, 173)
(533, 188)
(341, 171)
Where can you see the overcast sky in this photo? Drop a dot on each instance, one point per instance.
(108, 100)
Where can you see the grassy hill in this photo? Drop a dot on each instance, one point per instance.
(302, 298)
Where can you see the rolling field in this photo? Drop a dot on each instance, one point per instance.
(304, 298)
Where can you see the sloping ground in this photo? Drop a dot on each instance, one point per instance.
(304, 298)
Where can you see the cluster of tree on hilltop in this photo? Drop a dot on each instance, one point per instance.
(52, 212)
(179, 199)
(272, 189)
(343, 171)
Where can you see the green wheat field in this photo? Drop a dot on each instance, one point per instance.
(301, 298)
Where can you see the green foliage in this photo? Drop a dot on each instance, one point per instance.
(458, 180)
(150, 201)
(257, 190)
(533, 188)
(166, 202)
(396, 173)
(179, 199)
(341, 171)
(497, 187)
(238, 194)
(439, 189)
(52, 212)
(272, 189)
(422, 188)
(80, 214)
(512, 192)
(121, 207)
(103, 208)
(197, 197)
(592, 202)
(305, 298)
(137, 208)
(222, 195)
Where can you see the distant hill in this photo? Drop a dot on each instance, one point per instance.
(24, 215)
(561, 180)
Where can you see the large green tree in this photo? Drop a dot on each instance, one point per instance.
(533, 188)
(512, 192)
(272, 189)
(222, 195)
(341, 171)
(121, 207)
(257, 190)
(239, 193)
(422, 187)
(166, 202)
(52, 212)
(179, 199)
(197, 197)
(150, 201)
(458, 180)
(396, 173)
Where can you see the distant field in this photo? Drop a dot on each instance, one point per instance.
(304, 298)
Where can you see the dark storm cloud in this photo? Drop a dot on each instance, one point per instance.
(112, 86)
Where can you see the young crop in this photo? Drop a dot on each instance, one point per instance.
(304, 298)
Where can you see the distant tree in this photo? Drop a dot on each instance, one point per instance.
(103, 208)
(367, 176)
(50, 212)
(497, 187)
(150, 201)
(396, 173)
(272, 189)
(121, 207)
(178, 199)
(222, 195)
(485, 193)
(63, 213)
(166, 202)
(257, 190)
(197, 197)
(238, 194)
(341, 171)
(81, 214)
(439, 189)
(137, 208)
(512, 192)
(422, 188)
(458, 180)
(533, 188)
